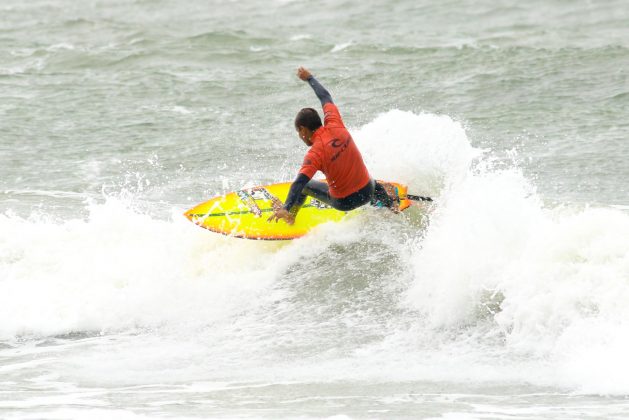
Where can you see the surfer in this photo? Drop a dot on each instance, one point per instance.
(333, 152)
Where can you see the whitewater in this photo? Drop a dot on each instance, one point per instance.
(134, 315)
(506, 298)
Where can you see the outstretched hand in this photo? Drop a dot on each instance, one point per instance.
(303, 73)
(282, 213)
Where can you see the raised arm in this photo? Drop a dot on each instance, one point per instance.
(321, 92)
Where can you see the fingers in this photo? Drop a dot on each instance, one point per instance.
(288, 218)
(275, 217)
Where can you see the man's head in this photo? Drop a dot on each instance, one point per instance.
(307, 122)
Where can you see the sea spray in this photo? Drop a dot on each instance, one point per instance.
(495, 288)
(552, 282)
(424, 151)
(120, 269)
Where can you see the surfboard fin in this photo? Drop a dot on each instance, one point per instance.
(418, 198)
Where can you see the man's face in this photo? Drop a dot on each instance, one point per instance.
(304, 134)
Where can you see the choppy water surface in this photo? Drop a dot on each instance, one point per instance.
(506, 299)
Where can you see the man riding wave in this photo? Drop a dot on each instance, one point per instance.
(333, 152)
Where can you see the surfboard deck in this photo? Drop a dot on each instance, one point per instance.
(244, 213)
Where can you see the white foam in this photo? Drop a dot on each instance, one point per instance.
(61, 46)
(300, 37)
(181, 110)
(341, 47)
(424, 151)
(120, 269)
(560, 278)
(502, 288)
(550, 284)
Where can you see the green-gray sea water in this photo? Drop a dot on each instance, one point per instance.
(505, 299)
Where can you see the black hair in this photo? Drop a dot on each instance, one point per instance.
(309, 118)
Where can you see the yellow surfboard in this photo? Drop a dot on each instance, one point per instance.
(244, 213)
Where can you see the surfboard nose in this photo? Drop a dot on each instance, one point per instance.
(192, 215)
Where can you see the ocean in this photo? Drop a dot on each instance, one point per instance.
(507, 298)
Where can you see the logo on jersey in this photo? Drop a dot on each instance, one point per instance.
(337, 143)
(341, 145)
